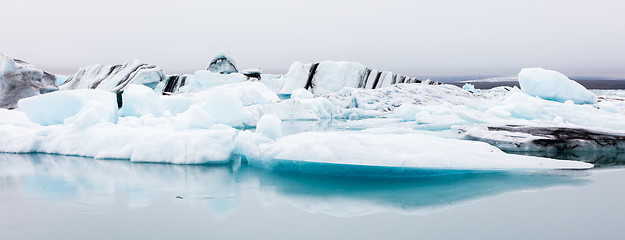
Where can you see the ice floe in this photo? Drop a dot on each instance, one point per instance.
(410, 150)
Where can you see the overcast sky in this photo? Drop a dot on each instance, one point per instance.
(442, 37)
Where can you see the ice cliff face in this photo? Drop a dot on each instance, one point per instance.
(19, 79)
(114, 78)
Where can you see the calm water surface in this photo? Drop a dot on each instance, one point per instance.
(60, 197)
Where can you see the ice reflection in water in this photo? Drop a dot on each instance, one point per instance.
(223, 189)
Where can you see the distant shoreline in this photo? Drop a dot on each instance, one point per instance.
(589, 84)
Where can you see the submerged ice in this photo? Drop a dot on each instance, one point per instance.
(381, 118)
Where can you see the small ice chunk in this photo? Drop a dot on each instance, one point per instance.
(273, 82)
(269, 126)
(139, 100)
(194, 117)
(225, 108)
(93, 112)
(7, 64)
(468, 87)
(555, 86)
(60, 79)
(608, 106)
(407, 112)
(176, 104)
(301, 93)
(55, 107)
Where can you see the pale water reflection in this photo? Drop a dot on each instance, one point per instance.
(223, 189)
(60, 197)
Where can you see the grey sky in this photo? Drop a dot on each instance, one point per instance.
(409, 37)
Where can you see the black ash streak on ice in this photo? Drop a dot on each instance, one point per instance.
(563, 139)
(20, 80)
(567, 143)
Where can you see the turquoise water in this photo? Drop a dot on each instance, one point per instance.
(61, 197)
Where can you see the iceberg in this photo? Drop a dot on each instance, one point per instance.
(114, 78)
(121, 141)
(552, 85)
(83, 105)
(19, 79)
(410, 150)
(171, 84)
(331, 76)
(223, 64)
(318, 78)
(221, 70)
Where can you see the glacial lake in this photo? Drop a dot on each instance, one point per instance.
(62, 197)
